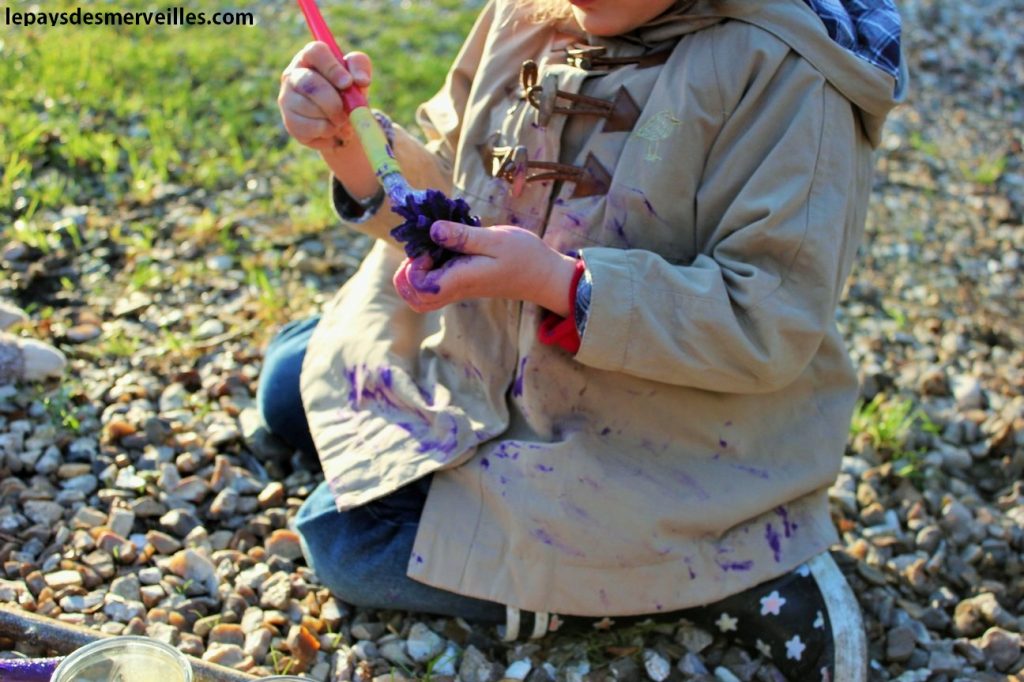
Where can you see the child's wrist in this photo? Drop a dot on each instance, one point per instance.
(556, 294)
(349, 165)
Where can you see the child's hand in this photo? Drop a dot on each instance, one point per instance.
(500, 262)
(309, 100)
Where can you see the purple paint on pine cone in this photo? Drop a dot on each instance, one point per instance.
(420, 210)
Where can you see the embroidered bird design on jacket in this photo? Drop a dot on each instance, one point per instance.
(658, 128)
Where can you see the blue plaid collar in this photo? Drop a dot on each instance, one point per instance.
(868, 28)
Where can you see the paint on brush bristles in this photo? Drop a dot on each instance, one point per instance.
(420, 210)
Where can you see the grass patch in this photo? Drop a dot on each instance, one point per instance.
(888, 424)
(116, 111)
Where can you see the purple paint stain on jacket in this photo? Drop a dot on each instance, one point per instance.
(754, 471)
(787, 526)
(551, 541)
(545, 468)
(428, 398)
(735, 565)
(517, 385)
(773, 541)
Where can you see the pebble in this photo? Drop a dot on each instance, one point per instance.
(276, 593)
(519, 669)
(447, 662)
(900, 644)
(224, 504)
(58, 580)
(394, 651)
(1001, 647)
(191, 565)
(121, 521)
(691, 664)
(163, 632)
(179, 522)
(367, 630)
(83, 333)
(209, 329)
(127, 587)
(227, 633)
(257, 643)
(272, 495)
(284, 543)
(723, 674)
(43, 512)
(693, 638)
(228, 655)
(968, 392)
(87, 517)
(475, 667)
(423, 644)
(657, 667)
(123, 610)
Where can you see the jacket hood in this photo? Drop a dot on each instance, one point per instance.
(870, 88)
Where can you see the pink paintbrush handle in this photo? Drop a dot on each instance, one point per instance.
(352, 97)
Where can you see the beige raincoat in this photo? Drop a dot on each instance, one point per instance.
(684, 453)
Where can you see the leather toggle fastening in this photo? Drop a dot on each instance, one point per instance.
(591, 58)
(620, 114)
(513, 165)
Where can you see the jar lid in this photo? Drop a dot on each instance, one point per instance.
(125, 659)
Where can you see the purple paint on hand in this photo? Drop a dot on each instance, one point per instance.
(544, 468)
(485, 463)
(772, 537)
(429, 281)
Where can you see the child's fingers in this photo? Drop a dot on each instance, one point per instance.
(465, 238)
(312, 132)
(360, 67)
(312, 86)
(318, 56)
(294, 103)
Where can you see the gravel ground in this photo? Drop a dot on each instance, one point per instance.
(144, 498)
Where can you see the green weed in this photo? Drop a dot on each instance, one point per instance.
(60, 406)
(985, 171)
(888, 425)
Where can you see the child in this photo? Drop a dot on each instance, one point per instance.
(629, 396)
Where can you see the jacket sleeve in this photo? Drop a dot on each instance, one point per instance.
(425, 165)
(777, 230)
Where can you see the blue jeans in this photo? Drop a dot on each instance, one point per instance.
(360, 554)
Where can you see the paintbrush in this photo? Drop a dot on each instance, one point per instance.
(420, 209)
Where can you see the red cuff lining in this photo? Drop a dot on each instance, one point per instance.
(555, 330)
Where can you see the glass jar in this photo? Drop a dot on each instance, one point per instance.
(125, 659)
